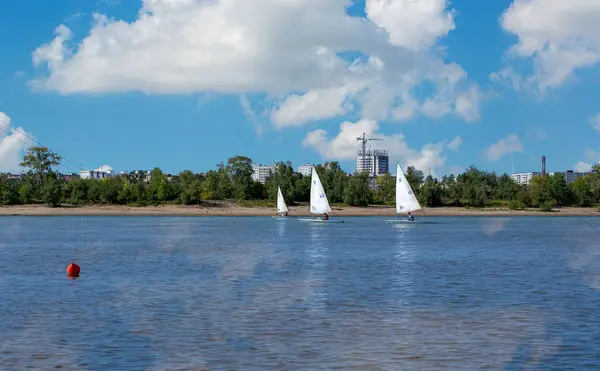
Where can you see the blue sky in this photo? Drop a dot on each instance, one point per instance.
(186, 87)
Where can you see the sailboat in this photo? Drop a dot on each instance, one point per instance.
(406, 201)
(318, 201)
(281, 206)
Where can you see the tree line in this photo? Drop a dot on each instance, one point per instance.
(233, 181)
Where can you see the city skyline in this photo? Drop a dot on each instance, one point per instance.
(477, 88)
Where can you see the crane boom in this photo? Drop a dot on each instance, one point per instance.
(363, 138)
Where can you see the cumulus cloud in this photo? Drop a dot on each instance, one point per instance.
(344, 146)
(13, 143)
(503, 147)
(455, 143)
(592, 157)
(297, 52)
(583, 167)
(557, 36)
(314, 105)
(595, 122)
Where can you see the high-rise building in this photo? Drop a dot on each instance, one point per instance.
(305, 169)
(260, 172)
(376, 162)
(524, 178)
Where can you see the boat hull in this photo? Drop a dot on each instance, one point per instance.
(280, 217)
(321, 220)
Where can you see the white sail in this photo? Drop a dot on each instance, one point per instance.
(318, 199)
(281, 207)
(405, 198)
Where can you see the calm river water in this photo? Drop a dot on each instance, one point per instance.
(166, 293)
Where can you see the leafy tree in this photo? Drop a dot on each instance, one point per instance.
(431, 192)
(282, 177)
(541, 192)
(301, 188)
(41, 161)
(450, 190)
(386, 189)
(358, 191)
(581, 189)
(334, 180)
(415, 179)
(559, 190)
(8, 191)
(239, 169)
(473, 187)
(51, 190)
(507, 188)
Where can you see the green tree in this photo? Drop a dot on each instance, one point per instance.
(358, 191)
(160, 188)
(541, 192)
(282, 177)
(8, 191)
(559, 189)
(475, 186)
(41, 161)
(301, 188)
(386, 189)
(581, 189)
(431, 192)
(76, 191)
(506, 189)
(450, 194)
(415, 178)
(51, 190)
(239, 169)
(334, 181)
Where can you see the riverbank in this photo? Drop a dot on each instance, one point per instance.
(230, 209)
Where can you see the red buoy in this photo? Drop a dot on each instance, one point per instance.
(73, 270)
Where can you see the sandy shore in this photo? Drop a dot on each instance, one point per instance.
(225, 209)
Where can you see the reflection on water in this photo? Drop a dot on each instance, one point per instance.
(262, 294)
(281, 224)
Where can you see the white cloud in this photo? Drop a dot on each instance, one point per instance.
(13, 143)
(251, 114)
(345, 145)
(277, 47)
(312, 106)
(558, 36)
(595, 122)
(583, 167)
(592, 157)
(414, 24)
(503, 147)
(455, 143)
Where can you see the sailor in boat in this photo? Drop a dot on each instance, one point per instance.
(410, 217)
(325, 216)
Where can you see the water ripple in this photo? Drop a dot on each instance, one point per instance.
(258, 294)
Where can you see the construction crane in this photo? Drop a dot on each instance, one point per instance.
(363, 138)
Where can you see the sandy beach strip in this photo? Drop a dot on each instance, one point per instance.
(223, 209)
